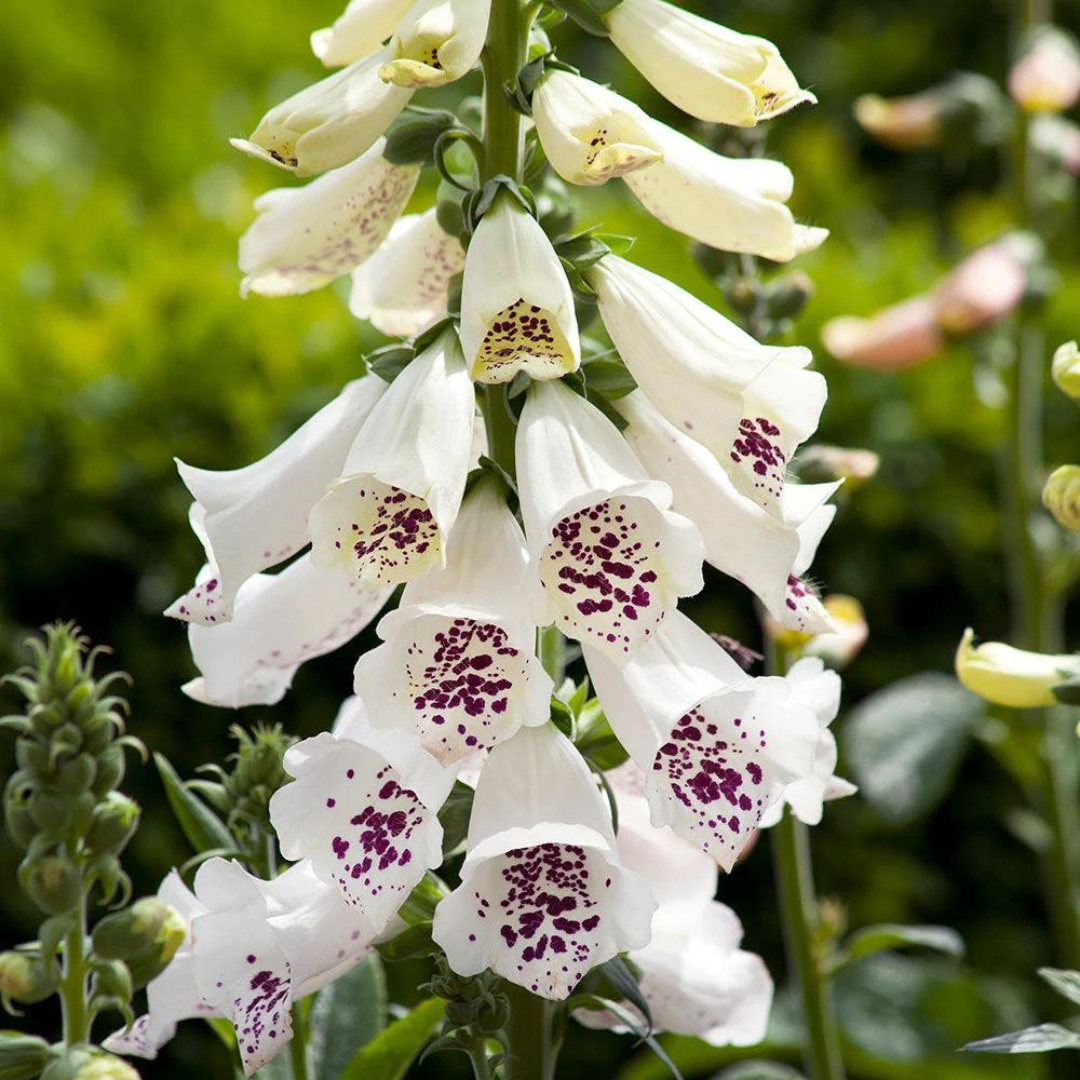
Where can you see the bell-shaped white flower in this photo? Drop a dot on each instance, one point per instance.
(403, 288)
(717, 746)
(695, 978)
(542, 897)
(458, 667)
(750, 404)
(330, 123)
(279, 622)
(813, 685)
(590, 134)
(363, 809)
(611, 557)
(305, 237)
(437, 42)
(386, 518)
(517, 310)
(713, 73)
(358, 31)
(767, 554)
(255, 517)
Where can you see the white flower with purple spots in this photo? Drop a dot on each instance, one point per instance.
(437, 42)
(718, 747)
(358, 31)
(750, 404)
(517, 310)
(813, 685)
(304, 238)
(543, 897)
(331, 122)
(255, 517)
(403, 288)
(768, 554)
(610, 555)
(458, 667)
(385, 519)
(363, 810)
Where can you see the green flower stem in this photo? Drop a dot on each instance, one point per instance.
(532, 1045)
(298, 1042)
(73, 1003)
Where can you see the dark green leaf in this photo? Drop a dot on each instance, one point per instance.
(1066, 983)
(409, 944)
(411, 140)
(203, 828)
(618, 974)
(581, 252)
(454, 817)
(347, 1015)
(389, 1055)
(390, 361)
(586, 13)
(608, 377)
(1032, 1040)
(562, 717)
(761, 1070)
(875, 939)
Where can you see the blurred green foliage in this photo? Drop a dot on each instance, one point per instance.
(123, 341)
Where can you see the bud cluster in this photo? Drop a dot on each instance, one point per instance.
(476, 1008)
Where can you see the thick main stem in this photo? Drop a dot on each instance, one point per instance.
(76, 1014)
(531, 1040)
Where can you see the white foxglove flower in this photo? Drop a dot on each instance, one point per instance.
(767, 554)
(330, 123)
(813, 685)
(542, 897)
(279, 622)
(402, 289)
(437, 42)
(611, 557)
(255, 517)
(305, 237)
(694, 976)
(386, 518)
(359, 31)
(708, 71)
(458, 667)
(590, 134)
(717, 746)
(517, 310)
(750, 404)
(363, 810)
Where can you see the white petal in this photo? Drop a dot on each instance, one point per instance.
(360, 29)
(305, 237)
(589, 133)
(517, 310)
(437, 42)
(364, 831)
(255, 517)
(330, 123)
(386, 518)
(279, 622)
(402, 289)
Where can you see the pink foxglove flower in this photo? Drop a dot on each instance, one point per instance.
(898, 337)
(1047, 77)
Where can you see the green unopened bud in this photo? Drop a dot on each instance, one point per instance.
(1016, 678)
(75, 775)
(83, 1064)
(17, 820)
(114, 823)
(32, 757)
(110, 770)
(52, 882)
(789, 295)
(50, 811)
(125, 933)
(26, 978)
(22, 1057)
(111, 981)
(1065, 368)
(1061, 496)
(47, 717)
(151, 962)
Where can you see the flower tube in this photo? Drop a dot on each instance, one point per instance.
(437, 42)
(359, 31)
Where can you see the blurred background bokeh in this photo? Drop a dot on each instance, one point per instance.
(123, 342)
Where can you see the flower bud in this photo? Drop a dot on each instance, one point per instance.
(17, 819)
(838, 649)
(788, 296)
(984, 288)
(50, 811)
(1061, 496)
(822, 464)
(125, 933)
(111, 981)
(152, 961)
(83, 1064)
(904, 123)
(26, 978)
(1065, 368)
(898, 337)
(22, 1057)
(52, 882)
(110, 770)
(74, 776)
(1016, 678)
(114, 823)
(1047, 77)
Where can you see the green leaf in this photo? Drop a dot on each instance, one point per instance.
(874, 939)
(21, 1056)
(419, 906)
(203, 828)
(1066, 983)
(581, 252)
(608, 377)
(347, 1015)
(409, 944)
(586, 13)
(617, 972)
(389, 1055)
(454, 817)
(760, 1070)
(562, 717)
(1032, 1040)
(616, 243)
(904, 744)
(390, 361)
(411, 139)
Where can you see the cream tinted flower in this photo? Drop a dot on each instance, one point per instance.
(437, 42)
(517, 310)
(707, 70)
(359, 31)
(1015, 678)
(305, 237)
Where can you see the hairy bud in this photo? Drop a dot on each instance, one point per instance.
(114, 823)
(1061, 496)
(26, 978)
(52, 882)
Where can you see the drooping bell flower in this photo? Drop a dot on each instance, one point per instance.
(517, 310)
(543, 897)
(713, 73)
(305, 237)
(896, 338)
(1015, 678)
(610, 555)
(903, 123)
(402, 289)
(359, 31)
(386, 518)
(984, 288)
(751, 405)
(1047, 77)
(255, 517)
(436, 42)
(718, 747)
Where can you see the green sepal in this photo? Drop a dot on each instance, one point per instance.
(413, 137)
(202, 827)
